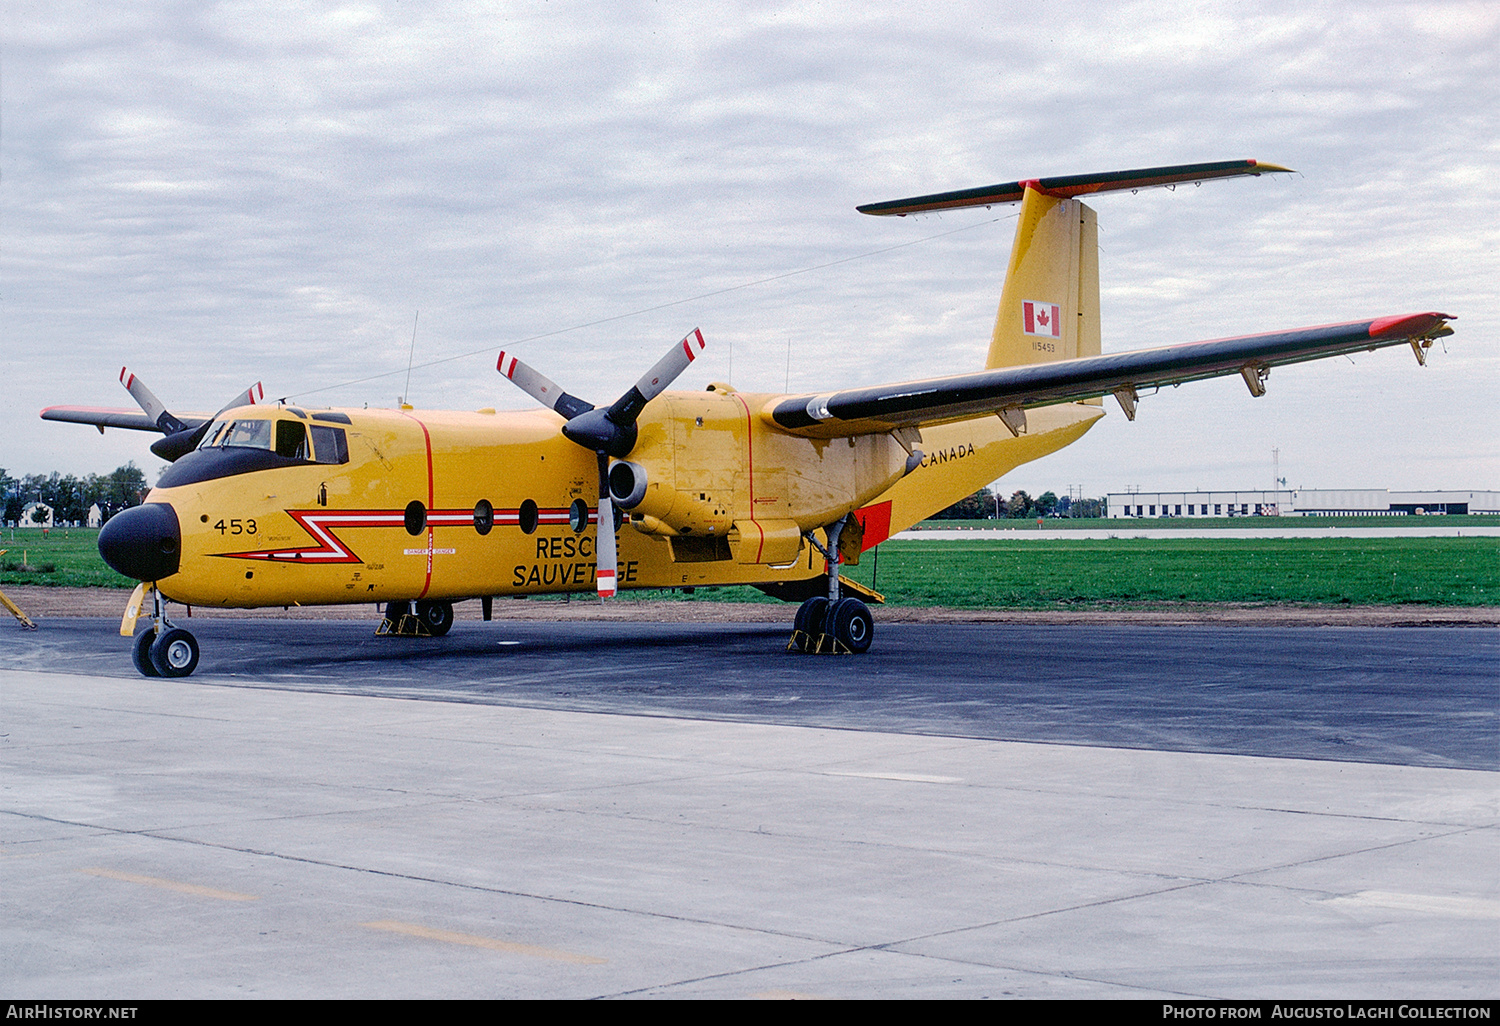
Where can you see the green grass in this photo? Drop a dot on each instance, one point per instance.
(71, 552)
(1023, 574)
(1139, 571)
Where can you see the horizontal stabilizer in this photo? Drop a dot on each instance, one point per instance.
(1068, 186)
(965, 396)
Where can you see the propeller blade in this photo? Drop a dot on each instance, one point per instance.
(154, 407)
(609, 431)
(541, 388)
(179, 443)
(656, 380)
(249, 397)
(604, 542)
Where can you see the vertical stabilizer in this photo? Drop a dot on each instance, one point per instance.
(1049, 305)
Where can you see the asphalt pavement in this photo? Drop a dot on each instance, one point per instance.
(672, 810)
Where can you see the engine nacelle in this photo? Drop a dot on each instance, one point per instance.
(707, 466)
(658, 506)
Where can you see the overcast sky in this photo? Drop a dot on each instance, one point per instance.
(219, 193)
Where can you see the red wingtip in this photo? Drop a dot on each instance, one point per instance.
(1407, 324)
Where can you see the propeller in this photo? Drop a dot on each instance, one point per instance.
(607, 432)
(180, 439)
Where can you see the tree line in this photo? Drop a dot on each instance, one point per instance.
(70, 497)
(987, 504)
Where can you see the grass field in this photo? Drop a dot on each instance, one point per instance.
(1023, 574)
(66, 557)
(1133, 571)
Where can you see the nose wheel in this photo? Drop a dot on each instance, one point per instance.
(163, 650)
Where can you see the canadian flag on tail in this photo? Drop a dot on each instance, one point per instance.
(1041, 318)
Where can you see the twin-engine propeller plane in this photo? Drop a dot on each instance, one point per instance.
(273, 505)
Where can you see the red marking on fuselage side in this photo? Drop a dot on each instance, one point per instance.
(750, 471)
(323, 527)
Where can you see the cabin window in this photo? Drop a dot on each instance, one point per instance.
(329, 445)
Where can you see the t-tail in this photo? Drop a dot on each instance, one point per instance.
(1049, 303)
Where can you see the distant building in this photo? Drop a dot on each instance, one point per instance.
(96, 516)
(1300, 502)
(27, 520)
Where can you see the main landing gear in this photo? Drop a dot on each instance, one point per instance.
(832, 625)
(163, 650)
(416, 620)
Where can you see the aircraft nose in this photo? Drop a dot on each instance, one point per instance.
(144, 542)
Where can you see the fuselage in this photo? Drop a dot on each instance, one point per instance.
(281, 506)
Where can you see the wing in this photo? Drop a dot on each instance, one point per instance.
(131, 420)
(182, 432)
(1008, 390)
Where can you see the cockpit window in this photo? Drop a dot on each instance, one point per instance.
(211, 437)
(248, 434)
(291, 439)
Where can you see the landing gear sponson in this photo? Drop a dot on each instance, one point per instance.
(828, 625)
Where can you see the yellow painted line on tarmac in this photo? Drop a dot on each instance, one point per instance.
(1436, 904)
(170, 885)
(489, 943)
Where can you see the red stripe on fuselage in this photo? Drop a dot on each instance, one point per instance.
(323, 525)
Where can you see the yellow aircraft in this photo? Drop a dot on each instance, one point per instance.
(275, 505)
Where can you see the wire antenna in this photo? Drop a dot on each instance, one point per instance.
(406, 392)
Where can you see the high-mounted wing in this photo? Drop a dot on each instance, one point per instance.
(1001, 391)
(183, 431)
(103, 417)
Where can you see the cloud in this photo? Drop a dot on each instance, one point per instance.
(216, 195)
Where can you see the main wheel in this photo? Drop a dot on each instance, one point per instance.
(809, 621)
(849, 621)
(437, 616)
(140, 653)
(174, 653)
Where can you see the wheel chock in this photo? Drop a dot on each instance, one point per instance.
(408, 626)
(817, 644)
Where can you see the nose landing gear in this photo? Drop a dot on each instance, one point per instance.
(160, 650)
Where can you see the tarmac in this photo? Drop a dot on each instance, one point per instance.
(606, 810)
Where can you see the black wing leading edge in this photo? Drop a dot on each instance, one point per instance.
(965, 396)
